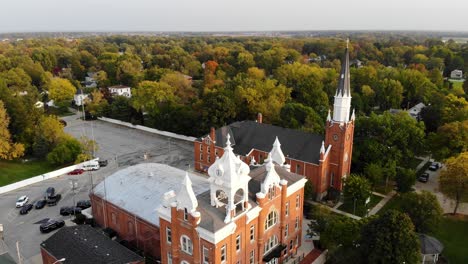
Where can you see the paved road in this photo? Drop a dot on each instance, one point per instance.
(433, 186)
(120, 145)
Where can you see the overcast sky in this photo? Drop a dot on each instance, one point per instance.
(232, 15)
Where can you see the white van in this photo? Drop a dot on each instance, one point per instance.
(91, 165)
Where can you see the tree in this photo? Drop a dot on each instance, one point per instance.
(150, 96)
(61, 90)
(51, 130)
(356, 189)
(455, 109)
(389, 94)
(98, 105)
(423, 209)
(450, 140)
(8, 149)
(405, 179)
(218, 109)
(389, 239)
(374, 173)
(182, 87)
(453, 180)
(298, 116)
(65, 152)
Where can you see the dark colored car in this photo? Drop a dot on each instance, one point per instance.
(63, 122)
(40, 204)
(70, 210)
(51, 225)
(54, 200)
(102, 163)
(424, 177)
(50, 192)
(26, 208)
(83, 204)
(434, 166)
(76, 172)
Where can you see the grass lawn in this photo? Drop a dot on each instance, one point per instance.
(360, 209)
(13, 171)
(453, 233)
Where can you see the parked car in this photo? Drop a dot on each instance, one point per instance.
(50, 192)
(51, 201)
(22, 201)
(40, 204)
(91, 166)
(434, 166)
(63, 122)
(83, 204)
(51, 225)
(70, 210)
(26, 208)
(424, 177)
(102, 163)
(76, 172)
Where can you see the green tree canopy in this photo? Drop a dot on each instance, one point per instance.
(423, 209)
(453, 180)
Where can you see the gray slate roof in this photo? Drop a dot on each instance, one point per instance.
(344, 87)
(248, 135)
(85, 245)
(430, 245)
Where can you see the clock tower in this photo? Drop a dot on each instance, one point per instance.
(340, 129)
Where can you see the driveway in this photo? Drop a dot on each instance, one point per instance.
(432, 186)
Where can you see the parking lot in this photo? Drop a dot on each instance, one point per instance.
(119, 145)
(432, 185)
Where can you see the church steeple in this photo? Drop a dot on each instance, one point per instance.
(342, 104)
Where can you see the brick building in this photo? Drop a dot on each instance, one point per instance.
(248, 215)
(324, 159)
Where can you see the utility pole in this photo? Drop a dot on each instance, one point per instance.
(20, 261)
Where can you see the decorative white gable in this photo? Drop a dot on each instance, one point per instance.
(186, 197)
(229, 178)
(276, 154)
(271, 179)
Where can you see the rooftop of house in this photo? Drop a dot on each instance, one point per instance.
(119, 86)
(83, 244)
(140, 189)
(248, 135)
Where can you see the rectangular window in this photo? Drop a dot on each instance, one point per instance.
(332, 176)
(287, 209)
(168, 235)
(169, 257)
(185, 214)
(209, 158)
(252, 257)
(298, 169)
(201, 156)
(290, 244)
(252, 233)
(286, 230)
(297, 223)
(223, 254)
(216, 152)
(238, 243)
(201, 147)
(298, 201)
(206, 255)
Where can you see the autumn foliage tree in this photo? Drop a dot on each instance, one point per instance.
(453, 179)
(8, 149)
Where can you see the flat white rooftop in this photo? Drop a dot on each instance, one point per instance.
(140, 189)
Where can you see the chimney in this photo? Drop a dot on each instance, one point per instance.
(259, 118)
(213, 134)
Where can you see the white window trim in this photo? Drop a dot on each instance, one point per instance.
(223, 254)
(188, 246)
(252, 233)
(206, 256)
(168, 235)
(238, 243)
(274, 220)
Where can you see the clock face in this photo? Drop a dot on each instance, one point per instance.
(335, 137)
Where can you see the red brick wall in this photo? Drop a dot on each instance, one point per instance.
(138, 232)
(47, 258)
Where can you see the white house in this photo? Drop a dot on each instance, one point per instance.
(416, 110)
(120, 90)
(79, 98)
(456, 74)
(89, 81)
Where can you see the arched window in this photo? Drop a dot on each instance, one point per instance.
(271, 192)
(270, 244)
(271, 220)
(186, 244)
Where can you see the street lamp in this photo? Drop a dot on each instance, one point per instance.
(60, 260)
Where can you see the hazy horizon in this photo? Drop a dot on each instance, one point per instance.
(241, 15)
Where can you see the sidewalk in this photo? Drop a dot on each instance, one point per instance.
(382, 203)
(337, 211)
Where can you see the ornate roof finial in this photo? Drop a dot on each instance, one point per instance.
(353, 116)
(329, 116)
(322, 149)
(186, 197)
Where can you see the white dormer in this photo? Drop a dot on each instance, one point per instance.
(229, 178)
(186, 198)
(271, 179)
(276, 154)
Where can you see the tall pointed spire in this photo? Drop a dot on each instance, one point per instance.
(276, 154)
(342, 102)
(344, 88)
